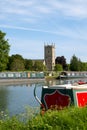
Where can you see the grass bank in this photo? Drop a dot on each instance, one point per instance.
(68, 119)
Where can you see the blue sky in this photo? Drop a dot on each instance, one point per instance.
(29, 24)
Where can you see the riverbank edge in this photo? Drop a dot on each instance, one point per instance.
(20, 81)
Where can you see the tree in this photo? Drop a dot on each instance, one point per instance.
(39, 66)
(58, 67)
(16, 63)
(83, 66)
(75, 64)
(4, 51)
(61, 60)
(28, 64)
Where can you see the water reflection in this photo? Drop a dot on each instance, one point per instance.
(64, 81)
(3, 97)
(16, 97)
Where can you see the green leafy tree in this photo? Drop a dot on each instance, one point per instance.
(75, 64)
(16, 63)
(39, 66)
(4, 51)
(28, 64)
(61, 60)
(58, 67)
(84, 66)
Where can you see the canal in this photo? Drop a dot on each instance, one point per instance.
(14, 98)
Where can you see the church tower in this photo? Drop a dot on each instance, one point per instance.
(49, 56)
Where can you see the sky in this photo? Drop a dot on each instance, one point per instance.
(29, 24)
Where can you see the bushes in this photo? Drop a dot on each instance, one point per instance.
(68, 119)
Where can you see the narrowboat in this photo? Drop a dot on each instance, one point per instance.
(22, 75)
(71, 74)
(61, 96)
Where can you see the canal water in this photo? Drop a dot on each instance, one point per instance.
(15, 98)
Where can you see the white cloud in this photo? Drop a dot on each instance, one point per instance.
(35, 8)
(63, 31)
(43, 9)
(73, 8)
(51, 19)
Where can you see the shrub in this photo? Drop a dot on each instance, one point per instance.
(71, 118)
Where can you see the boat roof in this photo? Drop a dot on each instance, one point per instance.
(67, 86)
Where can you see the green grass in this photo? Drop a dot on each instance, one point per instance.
(72, 118)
